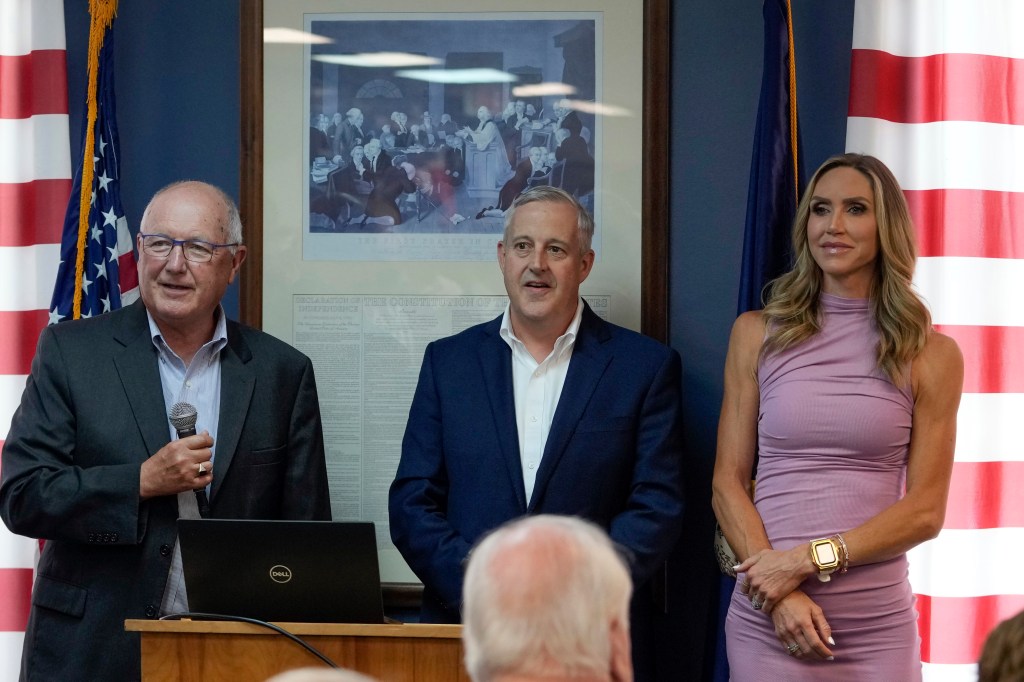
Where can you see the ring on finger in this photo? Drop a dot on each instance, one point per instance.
(202, 469)
(793, 647)
(756, 603)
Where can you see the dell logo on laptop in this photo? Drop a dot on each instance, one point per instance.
(280, 574)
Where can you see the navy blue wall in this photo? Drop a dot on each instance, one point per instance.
(177, 87)
(178, 109)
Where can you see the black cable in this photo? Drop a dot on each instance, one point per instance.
(253, 621)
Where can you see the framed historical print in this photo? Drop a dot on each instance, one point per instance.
(382, 145)
(381, 165)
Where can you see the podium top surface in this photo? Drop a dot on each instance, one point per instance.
(326, 629)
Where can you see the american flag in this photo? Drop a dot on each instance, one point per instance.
(35, 186)
(106, 277)
(937, 92)
(35, 181)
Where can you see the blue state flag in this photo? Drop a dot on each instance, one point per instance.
(776, 168)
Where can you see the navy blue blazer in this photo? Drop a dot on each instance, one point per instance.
(613, 454)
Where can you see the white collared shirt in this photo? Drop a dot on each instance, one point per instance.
(537, 388)
(197, 383)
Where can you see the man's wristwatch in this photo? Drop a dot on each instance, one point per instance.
(825, 555)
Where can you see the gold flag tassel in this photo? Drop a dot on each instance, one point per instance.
(102, 14)
(792, 101)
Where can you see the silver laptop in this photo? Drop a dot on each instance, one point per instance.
(284, 571)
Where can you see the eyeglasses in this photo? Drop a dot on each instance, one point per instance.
(195, 250)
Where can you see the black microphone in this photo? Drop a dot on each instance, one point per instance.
(183, 418)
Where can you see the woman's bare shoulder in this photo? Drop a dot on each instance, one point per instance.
(940, 351)
(749, 327)
(940, 364)
(745, 340)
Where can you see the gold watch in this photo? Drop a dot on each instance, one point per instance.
(825, 555)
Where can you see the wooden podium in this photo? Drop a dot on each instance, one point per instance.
(207, 651)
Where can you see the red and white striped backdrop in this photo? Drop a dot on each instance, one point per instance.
(937, 92)
(35, 181)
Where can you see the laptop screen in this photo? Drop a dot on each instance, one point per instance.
(284, 571)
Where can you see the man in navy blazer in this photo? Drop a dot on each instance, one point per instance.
(546, 409)
(91, 464)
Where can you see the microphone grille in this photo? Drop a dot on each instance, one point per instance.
(183, 416)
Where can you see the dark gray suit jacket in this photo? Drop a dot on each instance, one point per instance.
(91, 413)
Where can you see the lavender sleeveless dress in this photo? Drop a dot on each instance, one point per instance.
(833, 434)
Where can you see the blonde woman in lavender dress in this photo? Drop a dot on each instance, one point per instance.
(848, 397)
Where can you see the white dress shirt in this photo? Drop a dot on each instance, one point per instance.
(537, 388)
(198, 383)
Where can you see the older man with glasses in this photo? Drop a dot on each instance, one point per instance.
(93, 464)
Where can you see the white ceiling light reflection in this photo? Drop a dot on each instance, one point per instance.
(458, 75)
(543, 90)
(279, 34)
(597, 108)
(378, 59)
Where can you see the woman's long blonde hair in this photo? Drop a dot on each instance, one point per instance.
(792, 311)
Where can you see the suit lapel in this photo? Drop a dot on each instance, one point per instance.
(587, 365)
(237, 381)
(496, 365)
(137, 369)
